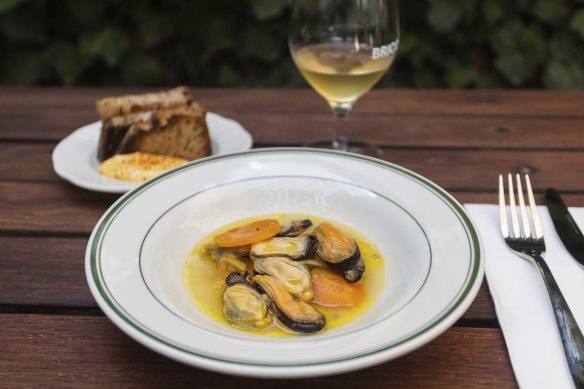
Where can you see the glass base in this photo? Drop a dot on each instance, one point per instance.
(354, 146)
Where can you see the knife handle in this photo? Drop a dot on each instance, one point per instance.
(570, 333)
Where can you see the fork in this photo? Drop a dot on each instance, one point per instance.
(529, 244)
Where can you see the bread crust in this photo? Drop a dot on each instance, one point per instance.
(180, 132)
(123, 105)
(116, 137)
(113, 131)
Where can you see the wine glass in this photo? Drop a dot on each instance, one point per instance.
(342, 48)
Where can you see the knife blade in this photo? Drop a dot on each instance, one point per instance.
(565, 225)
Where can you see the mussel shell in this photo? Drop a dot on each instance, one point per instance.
(301, 327)
(334, 246)
(217, 252)
(295, 227)
(340, 251)
(298, 316)
(295, 248)
(237, 278)
(355, 272)
(245, 307)
(294, 276)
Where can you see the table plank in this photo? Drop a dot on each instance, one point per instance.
(453, 169)
(61, 208)
(93, 353)
(404, 101)
(50, 272)
(45, 208)
(383, 129)
(44, 272)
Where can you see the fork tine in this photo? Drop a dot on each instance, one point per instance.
(534, 214)
(503, 209)
(526, 230)
(514, 221)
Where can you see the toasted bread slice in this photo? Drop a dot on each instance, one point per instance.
(178, 132)
(123, 105)
(113, 131)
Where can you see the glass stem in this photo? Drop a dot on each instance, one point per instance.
(341, 139)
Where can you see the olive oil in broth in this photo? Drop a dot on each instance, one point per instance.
(205, 281)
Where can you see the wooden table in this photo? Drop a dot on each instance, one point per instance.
(54, 334)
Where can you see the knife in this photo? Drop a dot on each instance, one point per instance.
(565, 224)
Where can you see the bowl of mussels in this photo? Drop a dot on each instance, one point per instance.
(285, 262)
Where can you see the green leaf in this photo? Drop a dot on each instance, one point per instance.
(153, 27)
(217, 32)
(86, 11)
(267, 9)
(551, 11)
(564, 75)
(577, 23)
(520, 50)
(257, 43)
(24, 66)
(65, 59)
(228, 75)
(7, 5)
(492, 12)
(444, 15)
(141, 69)
(524, 4)
(22, 26)
(515, 66)
(566, 47)
(108, 44)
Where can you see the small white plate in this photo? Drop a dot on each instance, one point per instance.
(75, 157)
(432, 253)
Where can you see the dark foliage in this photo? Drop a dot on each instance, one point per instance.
(444, 43)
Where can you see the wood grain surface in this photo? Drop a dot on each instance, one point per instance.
(54, 334)
(93, 353)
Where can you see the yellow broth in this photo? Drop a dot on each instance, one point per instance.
(205, 281)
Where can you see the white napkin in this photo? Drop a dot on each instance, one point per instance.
(521, 299)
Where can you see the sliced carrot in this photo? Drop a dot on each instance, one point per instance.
(255, 231)
(332, 290)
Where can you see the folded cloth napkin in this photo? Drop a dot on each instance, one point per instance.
(521, 301)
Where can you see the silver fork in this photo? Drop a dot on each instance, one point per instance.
(529, 244)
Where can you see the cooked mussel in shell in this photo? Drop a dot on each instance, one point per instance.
(294, 276)
(296, 315)
(340, 251)
(228, 259)
(295, 227)
(295, 248)
(285, 273)
(243, 305)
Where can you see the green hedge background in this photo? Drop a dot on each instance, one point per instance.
(444, 43)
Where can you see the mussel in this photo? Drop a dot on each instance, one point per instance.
(294, 276)
(295, 227)
(296, 248)
(228, 259)
(243, 305)
(296, 315)
(340, 251)
(217, 252)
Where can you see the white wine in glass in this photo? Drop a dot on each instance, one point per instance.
(342, 48)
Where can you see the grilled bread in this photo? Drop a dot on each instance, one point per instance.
(113, 131)
(124, 105)
(177, 132)
(166, 123)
